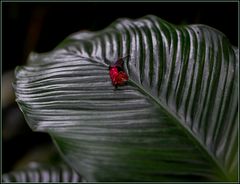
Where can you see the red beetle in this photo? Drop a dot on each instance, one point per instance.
(117, 74)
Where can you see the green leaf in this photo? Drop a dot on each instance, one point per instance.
(36, 172)
(175, 120)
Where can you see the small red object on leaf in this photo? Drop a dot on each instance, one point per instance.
(117, 74)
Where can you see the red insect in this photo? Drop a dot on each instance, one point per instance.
(117, 74)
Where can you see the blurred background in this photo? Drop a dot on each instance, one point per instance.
(40, 27)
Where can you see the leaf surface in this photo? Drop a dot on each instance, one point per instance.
(175, 120)
(36, 172)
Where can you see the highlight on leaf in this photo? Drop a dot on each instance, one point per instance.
(175, 120)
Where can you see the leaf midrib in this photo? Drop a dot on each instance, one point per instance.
(185, 129)
(179, 123)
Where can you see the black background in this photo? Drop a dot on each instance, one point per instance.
(41, 26)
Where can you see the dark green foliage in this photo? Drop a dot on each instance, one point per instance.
(175, 120)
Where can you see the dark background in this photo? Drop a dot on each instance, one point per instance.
(41, 26)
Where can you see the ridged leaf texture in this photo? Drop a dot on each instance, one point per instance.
(36, 172)
(175, 120)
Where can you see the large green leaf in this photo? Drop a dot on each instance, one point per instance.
(175, 120)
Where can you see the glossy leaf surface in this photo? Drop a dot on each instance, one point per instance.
(36, 172)
(175, 120)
